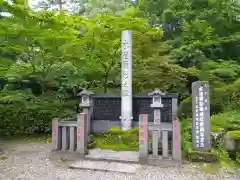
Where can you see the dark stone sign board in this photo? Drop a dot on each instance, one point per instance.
(201, 116)
(109, 108)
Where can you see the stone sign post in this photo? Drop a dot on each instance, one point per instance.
(82, 134)
(201, 116)
(143, 138)
(126, 78)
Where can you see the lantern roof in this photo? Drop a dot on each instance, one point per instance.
(85, 92)
(156, 92)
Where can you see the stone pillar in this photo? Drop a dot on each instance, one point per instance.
(82, 134)
(56, 135)
(126, 78)
(143, 138)
(86, 104)
(177, 151)
(174, 107)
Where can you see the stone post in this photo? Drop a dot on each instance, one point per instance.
(201, 131)
(143, 138)
(82, 134)
(229, 142)
(56, 135)
(177, 151)
(86, 104)
(157, 105)
(126, 81)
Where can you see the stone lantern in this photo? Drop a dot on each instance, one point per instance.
(157, 104)
(86, 105)
(86, 98)
(156, 135)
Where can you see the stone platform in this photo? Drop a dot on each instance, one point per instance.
(109, 160)
(106, 166)
(117, 161)
(112, 156)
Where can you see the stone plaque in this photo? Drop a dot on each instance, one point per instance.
(201, 116)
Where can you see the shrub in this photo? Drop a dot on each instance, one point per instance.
(186, 139)
(185, 108)
(238, 157)
(21, 113)
(227, 121)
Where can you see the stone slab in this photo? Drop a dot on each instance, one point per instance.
(69, 156)
(160, 161)
(110, 155)
(106, 166)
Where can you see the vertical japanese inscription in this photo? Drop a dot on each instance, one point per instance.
(143, 131)
(176, 134)
(126, 81)
(125, 60)
(201, 116)
(80, 130)
(157, 116)
(55, 135)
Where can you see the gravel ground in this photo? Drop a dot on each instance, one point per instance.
(30, 161)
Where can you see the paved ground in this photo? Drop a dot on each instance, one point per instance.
(30, 161)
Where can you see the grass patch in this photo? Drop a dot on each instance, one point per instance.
(38, 139)
(30, 138)
(2, 158)
(118, 140)
(164, 167)
(100, 143)
(210, 168)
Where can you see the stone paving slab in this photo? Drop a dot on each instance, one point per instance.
(106, 166)
(110, 155)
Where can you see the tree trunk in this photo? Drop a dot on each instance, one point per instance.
(105, 85)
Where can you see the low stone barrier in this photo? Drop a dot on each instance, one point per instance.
(69, 136)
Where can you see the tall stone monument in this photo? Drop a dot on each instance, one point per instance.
(126, 78)
(201, 116)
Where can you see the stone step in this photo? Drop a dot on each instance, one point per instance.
(115, 156)
(106, 166)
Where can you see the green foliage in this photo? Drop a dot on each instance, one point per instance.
(185, 108)
(238, 158)
(186, 136)
(91, 145)
(225, 122)
(23, 114)
(235, 134)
